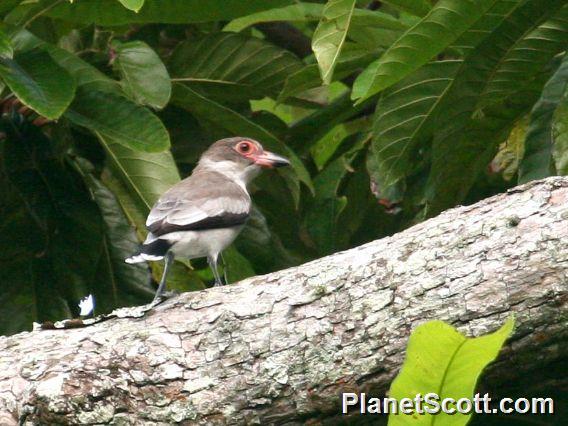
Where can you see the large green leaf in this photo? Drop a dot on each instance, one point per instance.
(146, 175)
(527, 58)
(144, 76)
(305, 12)
(299, 12)
(406, 113)
(330, 34)
(403, 118)
(324, 149)
(441, 360)
(537, 162)
(119, 119)
(470, 131)
(238, 124)
(87, 76)
(232, 67)
(436, 31)
(415, 7)
(38, 82)
(112, 13)
(84, 73)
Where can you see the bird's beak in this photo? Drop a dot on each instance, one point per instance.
(269, 159)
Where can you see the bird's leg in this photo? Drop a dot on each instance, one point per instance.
(224, 269)
(213, 265)
(168, 260)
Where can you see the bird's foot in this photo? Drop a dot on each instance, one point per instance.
(218, 284)
(159, 298)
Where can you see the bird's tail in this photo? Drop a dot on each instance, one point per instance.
(152, 249)
(142, 257)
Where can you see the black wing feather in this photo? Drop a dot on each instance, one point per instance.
(215, 222)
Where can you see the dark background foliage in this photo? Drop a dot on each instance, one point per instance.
(391, 111)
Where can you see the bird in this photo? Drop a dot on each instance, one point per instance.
(201, 215)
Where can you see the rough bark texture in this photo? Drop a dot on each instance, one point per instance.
(280, 348)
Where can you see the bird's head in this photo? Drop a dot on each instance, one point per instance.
(239, 156)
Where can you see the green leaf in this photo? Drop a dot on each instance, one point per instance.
(560, 132)
(376, 19)
(537, 162)
(403, 120)
(6, 50)
(144, 76)
(443, 361)
(307, 12)
(299, 12)
(330, 34)
(470, 130)
(38, 82)
(233, 67)
(527, 58)
(112, 13)
(83, 73)
(87, 76)
(237, 124)
(119, 119)
(436, 31)
(324, 148)
(407, 112)
(414, 7)
(146, 175)
(351, 60)
(134, 5)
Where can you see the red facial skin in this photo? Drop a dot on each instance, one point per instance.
(254, 152)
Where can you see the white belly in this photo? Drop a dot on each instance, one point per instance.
(192, 244)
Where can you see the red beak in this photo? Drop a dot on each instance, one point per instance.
(269, 159)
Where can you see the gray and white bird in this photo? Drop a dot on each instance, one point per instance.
(203, 214)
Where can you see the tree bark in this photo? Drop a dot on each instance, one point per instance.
(281, 348)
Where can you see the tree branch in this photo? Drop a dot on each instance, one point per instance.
(281, 348)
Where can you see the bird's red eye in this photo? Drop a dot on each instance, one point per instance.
(244, 147)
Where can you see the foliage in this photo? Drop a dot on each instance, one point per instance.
(441, 360)
(107, 103)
